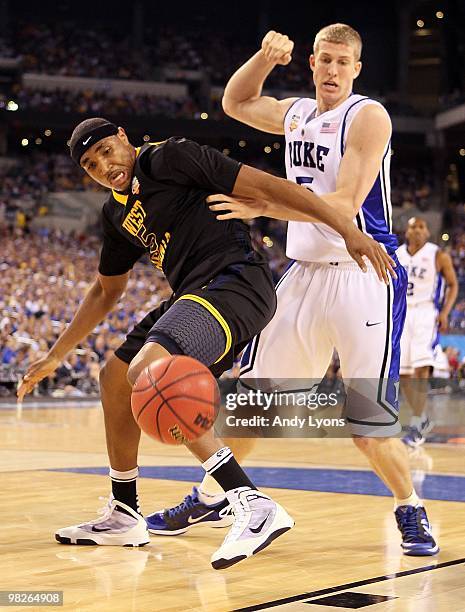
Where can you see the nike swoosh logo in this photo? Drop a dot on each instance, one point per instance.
(260, 527)
(196, 520)
(84, 142)
(97, 530)
(368, 324)
(426, 527)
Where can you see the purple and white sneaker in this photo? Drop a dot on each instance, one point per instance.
(112, 528)
(258, 520)
(191, 512)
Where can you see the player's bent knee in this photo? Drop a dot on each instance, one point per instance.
(151, 351)
(135, 368)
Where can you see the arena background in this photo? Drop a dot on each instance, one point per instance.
(159, 69)
(160, 74)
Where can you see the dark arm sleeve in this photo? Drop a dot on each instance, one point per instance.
(195, 165)
(118, 255)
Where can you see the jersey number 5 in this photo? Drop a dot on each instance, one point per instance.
(304, 180)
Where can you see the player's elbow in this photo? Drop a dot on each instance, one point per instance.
(108, 294)
(230, 107)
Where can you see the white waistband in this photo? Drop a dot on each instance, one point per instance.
(426, 303)
(337, 265)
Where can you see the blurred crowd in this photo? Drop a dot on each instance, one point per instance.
(165, 54)
(101, 102)
(91, 102)
(45, 275)
(62, 48)
(456, 248)
(412, 187)
(66, 49)
(26, 181)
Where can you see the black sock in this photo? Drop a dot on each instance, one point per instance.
(124, 488)
(226, 471)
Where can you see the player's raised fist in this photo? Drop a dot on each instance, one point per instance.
(277, 48)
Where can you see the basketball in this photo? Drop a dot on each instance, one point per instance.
(175, 399)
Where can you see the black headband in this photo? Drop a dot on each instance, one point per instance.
(89, 138)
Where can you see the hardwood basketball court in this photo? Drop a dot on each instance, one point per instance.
(343, 553)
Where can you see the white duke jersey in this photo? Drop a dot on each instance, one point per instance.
(425, 284)
(315, 146)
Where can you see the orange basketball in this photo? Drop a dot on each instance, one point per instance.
(175, 399)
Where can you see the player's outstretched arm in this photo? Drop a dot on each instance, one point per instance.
(243, 100)
(257, 187)
(446, 268)
(99, 300)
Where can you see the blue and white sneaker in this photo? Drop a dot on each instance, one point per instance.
(191, 512)
(417, 539)
(415, 436)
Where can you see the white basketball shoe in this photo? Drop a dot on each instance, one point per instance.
(112, 528)
(258, 520)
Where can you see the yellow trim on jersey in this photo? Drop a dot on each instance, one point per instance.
(212, 310)
(123, 199)
(119, 197)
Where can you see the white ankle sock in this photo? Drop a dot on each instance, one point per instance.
(125, 476)
(416, 421)
(124, 487)
(412, 500)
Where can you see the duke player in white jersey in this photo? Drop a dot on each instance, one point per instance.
(431, 293)
(337, 145)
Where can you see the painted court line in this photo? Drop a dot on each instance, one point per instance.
(349, 585)
(434, 486)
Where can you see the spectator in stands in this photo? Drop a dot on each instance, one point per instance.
(44, 278)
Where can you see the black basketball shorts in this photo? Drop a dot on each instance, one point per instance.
(212, 323)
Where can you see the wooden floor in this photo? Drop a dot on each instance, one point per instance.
(342, 542)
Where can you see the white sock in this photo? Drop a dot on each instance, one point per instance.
(412, 500)
(416, 421)
(218, 459)
(124, 487)
(124, 476)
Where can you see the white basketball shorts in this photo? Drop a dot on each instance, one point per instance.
(325, 306)
(419, 337)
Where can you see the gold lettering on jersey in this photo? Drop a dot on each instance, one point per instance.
(134, 224)
(158, 255)
(135, 219)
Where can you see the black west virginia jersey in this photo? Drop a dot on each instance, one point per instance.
(165, 215)
(209, 264)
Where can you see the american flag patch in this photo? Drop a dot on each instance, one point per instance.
(329, 128)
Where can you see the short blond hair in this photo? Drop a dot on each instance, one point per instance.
(340, 33)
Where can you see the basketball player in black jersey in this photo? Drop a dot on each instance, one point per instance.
(223, 295)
